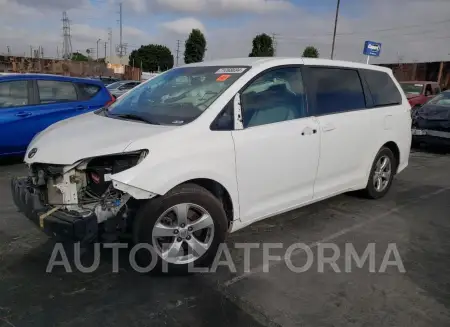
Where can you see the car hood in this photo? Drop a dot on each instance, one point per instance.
(411, 96)
(86, 136)
(434, 112)
(432, 117)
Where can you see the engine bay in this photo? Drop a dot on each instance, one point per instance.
(86, 188)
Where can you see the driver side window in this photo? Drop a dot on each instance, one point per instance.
(275, 96)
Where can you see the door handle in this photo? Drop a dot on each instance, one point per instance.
(80, 107)
(309, 131)
(328, 128)
(23, 114)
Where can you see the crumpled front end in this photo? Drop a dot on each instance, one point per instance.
(79, 202)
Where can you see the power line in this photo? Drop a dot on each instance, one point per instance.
(369, 31)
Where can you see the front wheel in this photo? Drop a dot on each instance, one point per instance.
(184, 229)
(381, 174)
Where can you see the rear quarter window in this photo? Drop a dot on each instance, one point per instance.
(382, 88)
(88, 91)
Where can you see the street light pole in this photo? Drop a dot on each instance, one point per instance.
(97, 47)
(335, 27)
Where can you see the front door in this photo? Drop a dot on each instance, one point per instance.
(277, 151)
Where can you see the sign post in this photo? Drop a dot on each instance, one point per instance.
(371, 49)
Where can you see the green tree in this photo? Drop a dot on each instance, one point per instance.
(194, 47)
(152, 57)
(262, 46)
(310, 52)
(77, 56)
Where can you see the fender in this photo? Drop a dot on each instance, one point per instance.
(162, 177)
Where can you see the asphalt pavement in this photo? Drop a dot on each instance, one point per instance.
(414, 218)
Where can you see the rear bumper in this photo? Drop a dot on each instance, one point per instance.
(62, 226)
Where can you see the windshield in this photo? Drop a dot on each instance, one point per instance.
(412, 88)
(442, 99)
(114, 85)
(177, 96)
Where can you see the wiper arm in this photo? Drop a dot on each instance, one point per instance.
(135, 117)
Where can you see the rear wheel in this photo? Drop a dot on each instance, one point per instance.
(183, 228)
(381, 174)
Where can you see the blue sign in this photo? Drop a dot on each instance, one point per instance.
(372, 48)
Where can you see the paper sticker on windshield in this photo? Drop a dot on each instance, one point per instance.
(231, 70)
(418, 84)
(223, 78)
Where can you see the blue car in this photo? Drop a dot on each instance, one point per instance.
(29, 103)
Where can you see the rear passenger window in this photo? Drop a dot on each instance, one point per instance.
(383, 90)
(88, 91)
(13, 94)
(335, 90)
(56, 91)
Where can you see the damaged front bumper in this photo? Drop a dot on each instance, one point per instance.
(60, 225)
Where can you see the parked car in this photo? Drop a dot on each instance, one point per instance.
(181, 170)
(106, 80)
(118, 88)
(418, 93)
(30, 103)
(431, 122)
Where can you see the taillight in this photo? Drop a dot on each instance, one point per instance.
(111, 101)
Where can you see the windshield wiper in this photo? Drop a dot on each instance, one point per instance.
(135, 117)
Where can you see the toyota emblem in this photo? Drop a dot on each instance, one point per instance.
(32, 153)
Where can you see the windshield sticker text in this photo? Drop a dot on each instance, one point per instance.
(231, 70)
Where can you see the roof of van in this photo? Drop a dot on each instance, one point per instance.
(257, 61)
(54, 77)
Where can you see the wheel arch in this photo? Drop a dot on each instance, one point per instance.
(219, 191)
(391, 145)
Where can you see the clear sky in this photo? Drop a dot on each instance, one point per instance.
(410, 30)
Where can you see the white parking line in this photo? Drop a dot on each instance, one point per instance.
(334, 236)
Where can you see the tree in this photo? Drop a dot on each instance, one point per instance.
(262, 46)
(152, 58)
(194, 47)
(77, 56)
(310, 52)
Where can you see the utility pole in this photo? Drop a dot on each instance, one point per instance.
(110, 43)
(97, 47)
(106, 43)
(178, 50)
(274, 43)
(67, 39)
(9, 50)
(122, 47)
(335, 28)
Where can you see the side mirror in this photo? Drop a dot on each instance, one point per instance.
(238, 120)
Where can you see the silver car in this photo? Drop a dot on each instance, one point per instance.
(118, 88)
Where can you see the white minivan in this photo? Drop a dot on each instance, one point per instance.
(206, 149)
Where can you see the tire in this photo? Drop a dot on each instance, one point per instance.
(371, 191)
(162, 210)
